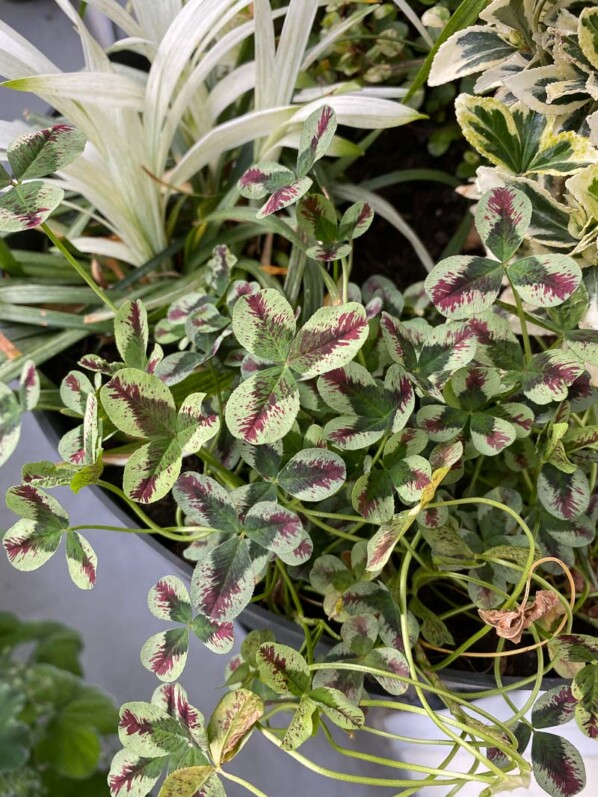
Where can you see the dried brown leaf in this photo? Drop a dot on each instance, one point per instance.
(510, 624)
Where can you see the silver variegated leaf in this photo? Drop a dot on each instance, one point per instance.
(222, 583)
(44, 152)
(313, 474)
(502, 219)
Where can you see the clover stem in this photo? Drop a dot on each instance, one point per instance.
(79, 269)
(131, 504)
(246, 785)
(345, 279)
(523, 322)
(299, 608)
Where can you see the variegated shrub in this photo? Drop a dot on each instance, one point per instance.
(402, 475)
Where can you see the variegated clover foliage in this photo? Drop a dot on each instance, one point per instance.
(377, 471)
(537, 125)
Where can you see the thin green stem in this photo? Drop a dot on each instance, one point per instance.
(79, 269)
(133, 506)
(246, 785)
(523, 322)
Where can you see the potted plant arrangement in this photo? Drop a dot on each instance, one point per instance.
(394, 489)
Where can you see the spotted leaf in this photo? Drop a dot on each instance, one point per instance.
(316, 136)
(205, 502)
(462, 285)
(490, 434)
(316, 216)
(328, 340)
(132, 333)
(44, 152)
(231, 724)
(190, 782)
(283, 197)
(554, 707)
(28, 205)
(502, 219)
(264, 407)
(264, 324)
(132, 776)
(275, 528)
(313, 474)
(81, 560)
(545, 280)
(382, 544)
(564, 495)
(557, 765)
(301, 726)
(10, 423)
(263, 179)
(337, 707)
(549, 375)
(222, 583)
(394, 662)
(283, 669)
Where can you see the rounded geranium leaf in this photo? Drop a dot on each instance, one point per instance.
(313, 474)
(133, 776)
(548, 376)
(489, 434)
(81, 560)
(28, 206)
(283, 197)
(273, 527)
(232, 722)
(502, 218)
(169, 600)
(222, 583)
(44, 152)
(372, 496)
(264, 178)
(205, 502)
(264, 407)
(316, 136)
(564, 495)
(165, 653)
(264, 324)
(139, 404)
(10, 423)
(545, 280)
(462, 285)
(558, 766)
(355, 221)
(329, 339)
(316, 216)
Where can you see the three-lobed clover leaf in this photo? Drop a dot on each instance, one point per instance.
(284, 186)
(32, 156)
(34, 539)
(223, 579)
(263, 408)
(316, 217)
(12, 407)
(462, 285)
(287, 673)
(165, 653)
(141, 405)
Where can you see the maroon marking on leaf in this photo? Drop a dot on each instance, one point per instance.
(125, 778)
(323, 123)
(475, 379)
(15, 546)
(253, 176)
(89, 569)
(304, 550)
(130, 724)
(166, 596)
(187, 714)
(420, 478)
(30, 377)
(522, 421)
(280, 199)
(497, 439)
(144, 491)
(348, 329)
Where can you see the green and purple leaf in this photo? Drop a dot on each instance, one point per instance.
(283, 669)
(382, 544)
(441, 423)
(557, 765)
(29, 387)
(585, 690)
(264, 407)
(584, 343)
(275, 528)
(169, 600)
(372, 496)
(152, 470)
(316, 216)
(283, 197)
(193, 426)
(28, 546)
(313, 474)
(356, 221)
(26, 206)
(74, 390)
(263, 179)
(564, 495)
(490, 434)
(264, 459)
(394, 662)
(165, 653)
(173, 699)
(447, 348)
(549, 375)
(502, 219)
(410, 477)
(329, 340)
(81, 560)
(232, 723)
(191, 782)
(398, 343)
(217, 637)
(329, 252)
(463, 285)
(131, 331)
(10, 423)
(139, 404)
(43, 152)
(545, 280)
(222, 583)
(337, 707)
(554, 707)
(575, 648)
(264, 324)
(316, 136)
(132, 776)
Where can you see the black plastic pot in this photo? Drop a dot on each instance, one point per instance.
(256, 617)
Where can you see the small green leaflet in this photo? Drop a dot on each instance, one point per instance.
(231, 724)
(43, 152)
(558, 767)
